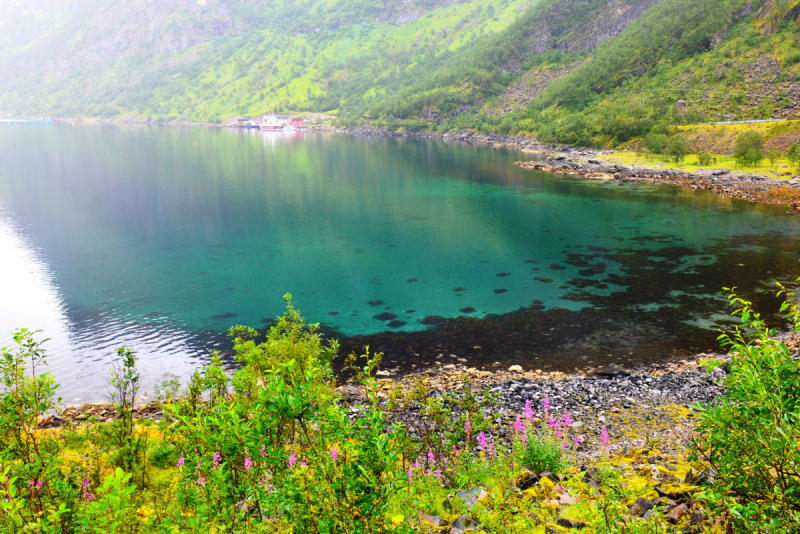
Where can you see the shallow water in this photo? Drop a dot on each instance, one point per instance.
(162, 238)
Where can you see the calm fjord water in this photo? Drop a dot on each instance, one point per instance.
(162, 238)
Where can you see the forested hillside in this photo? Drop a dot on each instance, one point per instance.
(211, 59)
(588, 72)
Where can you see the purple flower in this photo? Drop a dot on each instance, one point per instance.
(292, 460)
(431, 457)
(552, 423)
(263, 452)
(201, 481)
(484, 443)
(567, 419)
(577, 440)
(334, 453)
(528, 410)
(410, 475)
(248, 464)
(546, 404)
(525, 438)
(558, 432)
(85, 484)
(217, 458)
(604, 436)
(180, 461)
(519, 426)
(467, 427)
(87, 497)
(439, 472)
(454, 451)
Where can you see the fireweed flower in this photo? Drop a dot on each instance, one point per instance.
(558, 432)
(546, 404)
(85, 484)
(552, 423)
(292, 460)
(217, 458)
(519, 426)
(567, 419)
(577, 440)
(604, 436)
(528, 410)
(248, 464)
(484, 443)
(334, 454)
(439, 472)
(263, 452)
(468, 427)
(431, 457)
(201, 481)
(180, 461)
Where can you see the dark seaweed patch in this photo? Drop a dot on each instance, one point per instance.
(459, 289)
(531, 261)
(412, 280)
(543, 280)
(557, 267)
(396, 324)
(375, 302)
(503, 274)
(411, 311)
(386, 316)
(222, 316)
(333, 313)
(468, 309)
(433, 320)
(499, 291)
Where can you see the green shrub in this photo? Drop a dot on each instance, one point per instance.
(751, 436)
(163, 455)
(678, 149)
(749, 149)
(542, 453)
(793, 154)
(704, 159)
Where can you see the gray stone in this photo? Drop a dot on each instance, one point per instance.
(641, 507)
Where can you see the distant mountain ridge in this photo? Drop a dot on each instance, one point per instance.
(574, 71)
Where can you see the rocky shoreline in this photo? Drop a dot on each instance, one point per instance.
(567, 160)
(746, 186)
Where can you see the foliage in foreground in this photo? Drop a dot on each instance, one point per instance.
(269, 449)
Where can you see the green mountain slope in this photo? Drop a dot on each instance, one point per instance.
(211, 59)
(588, 72)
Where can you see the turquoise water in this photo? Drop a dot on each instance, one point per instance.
(162, 238)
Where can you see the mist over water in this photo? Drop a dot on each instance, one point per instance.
(162, 238)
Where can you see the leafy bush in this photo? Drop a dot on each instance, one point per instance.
(678, 148)
(749, 149)
(793, 154)
(543, 453)
(751, 437)
(704, 159)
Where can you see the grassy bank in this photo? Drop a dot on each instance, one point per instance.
(272, 448)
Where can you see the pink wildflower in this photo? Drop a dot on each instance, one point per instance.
(334, 453)
(217, 458)
(528, 410)
(87, 497)
(519, 426)
(577, 440)
(468, 427)
(85, 484)
(201, 481)
(439, 472)
(180, 461)
(484, 443)
(546, 404)
(431, 457)
(567, 419)
(604, 436)
(558, 432)
(248, 464)
(263, 452)
(292, 460)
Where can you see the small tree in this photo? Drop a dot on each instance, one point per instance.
(773, 156)
(704, 159)
(678, 148)
(749, 149)
(793, 154)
